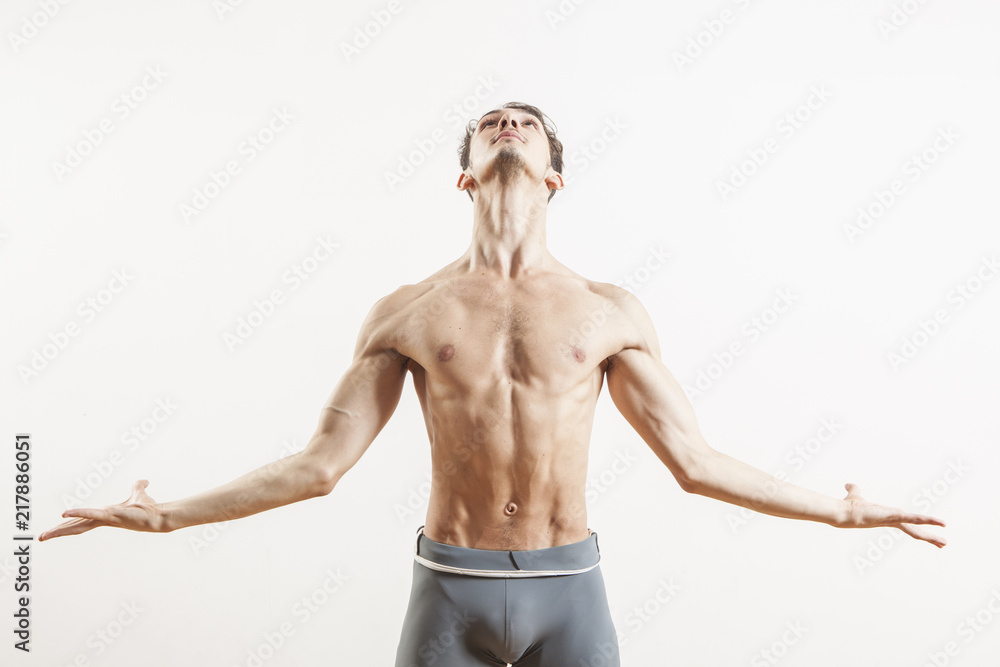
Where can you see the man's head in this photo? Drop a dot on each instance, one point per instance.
(535, 146)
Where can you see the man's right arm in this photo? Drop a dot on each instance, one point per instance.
(358, 408)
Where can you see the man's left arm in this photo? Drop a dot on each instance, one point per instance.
(655, 405)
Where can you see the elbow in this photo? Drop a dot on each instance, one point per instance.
(325, 482)
(318, 474)
(694, 472)
(687, 481)
(314, 478)
(325, 479)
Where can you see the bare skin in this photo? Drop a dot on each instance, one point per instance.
(508, 350)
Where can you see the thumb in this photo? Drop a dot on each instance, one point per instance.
(138, 487)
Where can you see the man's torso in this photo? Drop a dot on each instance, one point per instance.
(508, 373)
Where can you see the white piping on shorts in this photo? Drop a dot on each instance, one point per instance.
(506, 574)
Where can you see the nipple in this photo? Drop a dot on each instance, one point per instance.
(446, 352)
(511, 508)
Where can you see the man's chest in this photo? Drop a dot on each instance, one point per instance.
(524, 334)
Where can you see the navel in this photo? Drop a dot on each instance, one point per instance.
(510, 509)
(446, 352)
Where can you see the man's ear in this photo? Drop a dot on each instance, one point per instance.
(465, 181)
(554, 179)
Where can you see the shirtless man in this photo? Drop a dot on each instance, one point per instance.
(507, 363)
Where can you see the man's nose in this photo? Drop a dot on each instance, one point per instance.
(505, 121)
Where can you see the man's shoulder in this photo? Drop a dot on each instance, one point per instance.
(396, 302)
(622, 299)
(638, 331)
(424, 299)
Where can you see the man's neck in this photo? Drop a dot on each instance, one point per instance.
(508, 234)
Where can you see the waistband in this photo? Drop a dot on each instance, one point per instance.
(565, 559)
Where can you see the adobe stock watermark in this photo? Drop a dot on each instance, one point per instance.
(967, 630)
(32, 25)
(303, 610)
(40, 358)
(562, 12)
(225, 7)
(786, 127)
(407, 164)
(209, 533)
(779, 648)
(428, 307)
(913, 168)
(417, 496)
(603, 654)
(415, 501)
(753, 329)
(436, 647)
(899, 16)
(711, 30)
(101, 639)
(599, 484)
(364, 34)
(248, 150)
(596, 318)
(923, 501)
(586, 154)
(263, 309)
(125, 103)
(655, 260)
(928, 328)
(796, 458)
(130, 439)
(643, 613)
(8, 568)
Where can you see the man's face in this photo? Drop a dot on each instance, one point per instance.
(506, 143)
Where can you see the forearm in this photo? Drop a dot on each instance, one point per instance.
(717, 475)
(278, 483)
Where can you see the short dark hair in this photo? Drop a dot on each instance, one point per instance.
(555, 146)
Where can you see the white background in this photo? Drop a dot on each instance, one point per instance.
(672, 131)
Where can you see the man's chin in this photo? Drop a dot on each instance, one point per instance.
(504, 146)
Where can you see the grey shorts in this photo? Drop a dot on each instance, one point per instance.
(538, 608)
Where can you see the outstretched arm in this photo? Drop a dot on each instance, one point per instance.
(357, 410)
(655, 405)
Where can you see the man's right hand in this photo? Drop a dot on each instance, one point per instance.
(864, 514)
(139, 512)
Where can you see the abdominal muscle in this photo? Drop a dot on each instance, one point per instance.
(491, 513)
(512, 477)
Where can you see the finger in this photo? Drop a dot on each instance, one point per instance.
(138, 487)
(90, 513)
(921, 519)
(74, 527)
(923, 534)
(853, 491)
(895, 515)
